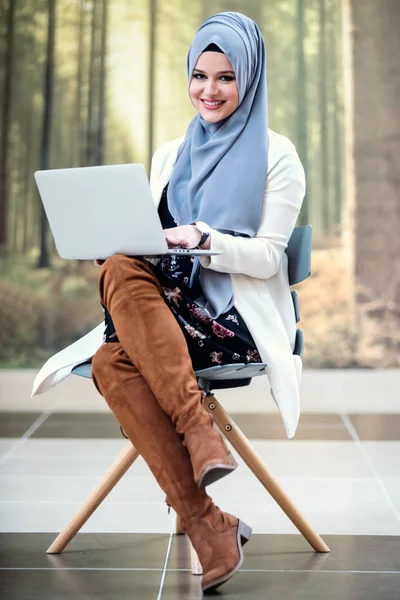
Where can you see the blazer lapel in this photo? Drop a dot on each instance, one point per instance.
(161, 168)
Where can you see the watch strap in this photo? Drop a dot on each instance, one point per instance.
(204, 237)
(204, 234)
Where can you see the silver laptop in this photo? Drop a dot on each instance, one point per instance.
(95, 212)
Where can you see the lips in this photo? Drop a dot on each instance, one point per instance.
(212, 104)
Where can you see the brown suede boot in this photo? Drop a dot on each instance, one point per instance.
(154, 343)
(216, 536)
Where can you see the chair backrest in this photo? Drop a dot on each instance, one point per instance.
(299, 254)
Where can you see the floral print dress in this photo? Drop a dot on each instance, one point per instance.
(211, 342)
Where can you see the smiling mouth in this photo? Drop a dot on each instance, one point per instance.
(213, 105)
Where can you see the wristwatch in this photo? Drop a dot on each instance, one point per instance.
(205, 231)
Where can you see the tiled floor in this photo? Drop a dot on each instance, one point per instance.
(342, 470)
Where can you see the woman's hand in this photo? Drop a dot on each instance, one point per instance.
(186, 236)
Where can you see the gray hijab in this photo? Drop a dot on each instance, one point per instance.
(220, 170)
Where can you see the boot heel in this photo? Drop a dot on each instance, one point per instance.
(244, 531)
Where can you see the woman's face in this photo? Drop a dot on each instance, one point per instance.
(213, 90)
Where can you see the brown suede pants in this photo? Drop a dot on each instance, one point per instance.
(150, 335)
(149, 383)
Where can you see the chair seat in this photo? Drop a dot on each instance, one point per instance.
(232, 371)
(224, 372)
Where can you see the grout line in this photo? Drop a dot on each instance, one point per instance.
(353, 572)
(34, 427)
(79, 502)
(356, 438)
(87, 477)
(314, 571)
(173, 529)
(81, 569)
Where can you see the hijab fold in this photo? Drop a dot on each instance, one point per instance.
(220, 170)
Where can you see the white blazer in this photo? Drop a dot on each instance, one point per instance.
(259, 274)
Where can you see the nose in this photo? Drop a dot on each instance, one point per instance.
(211, 88)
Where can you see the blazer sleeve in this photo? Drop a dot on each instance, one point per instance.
(260, 256)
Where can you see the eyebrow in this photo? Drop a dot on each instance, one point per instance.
(219, 72)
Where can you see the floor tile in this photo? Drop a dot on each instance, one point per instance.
(385, 457)
(65, 466)
(347, 553)
(284, 458)
(343, 521)
(71, 448)
(6, 445)
(13, 424)
(293, 585)
(292, 458)
(343, 507)
(261, 425)
(76, 425)
(30, 488)
(135, 517)
(376, 427)
(324, 496)
(85, 585)
(340, 506)
(392, 487)
(292, 552)
(94, 551)
(311, 426)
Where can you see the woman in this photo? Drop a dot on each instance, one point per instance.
(231, 185)
(165, 319)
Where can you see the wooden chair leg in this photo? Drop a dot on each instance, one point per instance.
(194, 562)
(194, 559)
(243, 447)
(109, 480)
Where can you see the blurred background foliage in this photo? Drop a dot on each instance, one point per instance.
(88, 82)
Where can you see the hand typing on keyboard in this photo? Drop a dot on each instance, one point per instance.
(183, 236)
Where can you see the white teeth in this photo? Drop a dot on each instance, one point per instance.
(211, 103)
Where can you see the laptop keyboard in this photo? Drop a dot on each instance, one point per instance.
(183, 250)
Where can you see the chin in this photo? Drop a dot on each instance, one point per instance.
(213, 118)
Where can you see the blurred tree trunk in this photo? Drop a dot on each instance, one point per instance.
(92, 123)
(80, 147)
(375, 52)
(337, 114)
(301, 105)
(152, 74)
(44, 257)
(28, 130)
(6, 122)
(18, 201)
(325, 199)
(103, 83)
(212, 7)
(204, 12)
(252, 10)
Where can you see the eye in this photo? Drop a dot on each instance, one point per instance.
(227, 78)
(198, 76)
